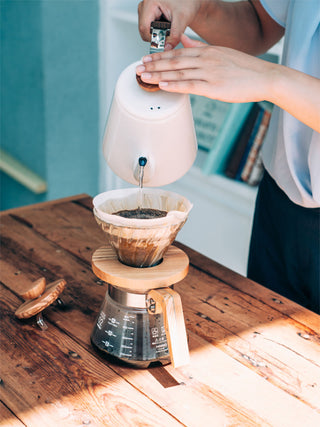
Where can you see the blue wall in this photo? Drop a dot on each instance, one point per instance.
(49, 96)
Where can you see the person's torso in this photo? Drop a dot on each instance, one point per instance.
(291, 151)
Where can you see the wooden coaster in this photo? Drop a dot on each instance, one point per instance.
(33, 307)
(147, 86)
(173, 268)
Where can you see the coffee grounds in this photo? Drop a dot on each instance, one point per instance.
(141, 213)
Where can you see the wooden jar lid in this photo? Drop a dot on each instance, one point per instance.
(33, 307)
(173, 268)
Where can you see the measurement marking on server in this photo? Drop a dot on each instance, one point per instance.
(113, 322)
(101, 319)
(110, 333)
(125, 355)
(126, 346)
(162, 345)
(162, 349)
(107, 344)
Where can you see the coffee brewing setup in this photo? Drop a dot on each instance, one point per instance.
(149, 140)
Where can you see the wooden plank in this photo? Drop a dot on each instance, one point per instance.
(80, 197)
(230, 307)
(41, 357)
(63, 383)
(259, 292)
(247, 318)
(78, 320)
(211, 367)
(86, 202)
(66, 224)
(239, 314)
(273, 349)
(237, 318)
(26, 255)
(7, 418)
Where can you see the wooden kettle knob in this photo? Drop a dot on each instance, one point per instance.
(167, 301)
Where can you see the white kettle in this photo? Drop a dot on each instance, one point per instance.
(155, 126)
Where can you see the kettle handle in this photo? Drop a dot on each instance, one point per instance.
(168, 302)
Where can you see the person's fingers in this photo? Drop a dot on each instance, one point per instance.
(196, 87)
(178, 26)
(148, 12)
(170, 76)
(171, 64)
(159, 56)
(168, 65)
(151, 11)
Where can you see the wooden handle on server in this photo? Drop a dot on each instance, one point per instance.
(168, 302)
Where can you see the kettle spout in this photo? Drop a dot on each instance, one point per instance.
(139, 171)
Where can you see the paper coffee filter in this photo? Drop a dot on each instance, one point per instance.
(140, 242)
(177, 206)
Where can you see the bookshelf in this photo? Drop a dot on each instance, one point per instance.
(220, 222)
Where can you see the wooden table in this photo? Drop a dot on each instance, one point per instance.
(255, 356)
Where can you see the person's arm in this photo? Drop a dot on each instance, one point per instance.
(297, 93)
(243, 25)
(229, 75)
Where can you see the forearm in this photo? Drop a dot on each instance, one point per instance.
(297, 93)
(243, 25)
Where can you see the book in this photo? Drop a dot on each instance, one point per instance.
(237, 151)
(250, 142)
(257, 172)
(256, 146)
(222, 145)
(208, 117)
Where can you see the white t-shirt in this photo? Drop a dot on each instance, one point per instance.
(291, 151)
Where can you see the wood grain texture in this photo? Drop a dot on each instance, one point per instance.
(47, 204)
(172, 269)
(63, 383)
(253, 289)
(185, 402)
(171, 307)
(254, 355)
(32, 307)
(7, 418)
(34, 289)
